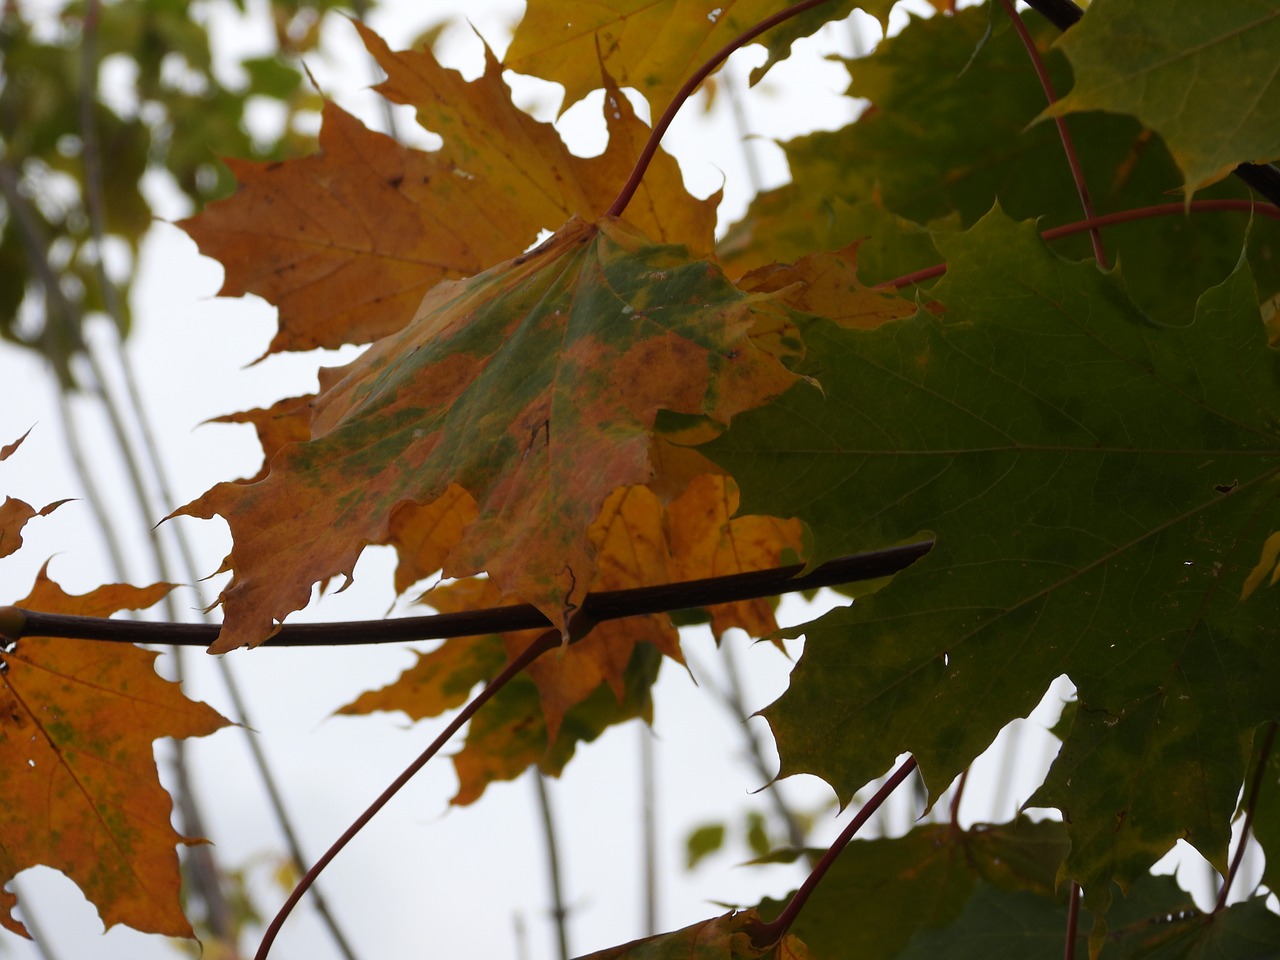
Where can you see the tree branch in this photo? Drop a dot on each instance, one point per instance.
(16, 622)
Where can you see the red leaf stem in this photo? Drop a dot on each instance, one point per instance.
(765, 934)
(548, 641)
(1068, 146)
(685, 91)
(1073, 922)
(1107, 219)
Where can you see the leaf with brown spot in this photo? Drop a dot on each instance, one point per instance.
(77, 720)
(535, 387)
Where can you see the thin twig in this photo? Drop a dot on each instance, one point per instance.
(955, 800)
(1251, 804)
(1106, 220)
(16, 622)
(649, 829)
(765, 934)
(70, 432)
(205, 872)
(738, 113)
(547, 641)
(35, 929)
(685, 91)
(1068, 147)
(559, 913)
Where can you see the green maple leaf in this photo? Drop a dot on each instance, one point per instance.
(880, 892)
(1201, 76)
(1099, 487)
(1156, 921)
(925, 153)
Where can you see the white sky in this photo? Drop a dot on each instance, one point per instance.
(422, 880)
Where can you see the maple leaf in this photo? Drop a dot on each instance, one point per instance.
(515, 729)
(77, 720)
(603, 678)
(534, 387)
(883, 893)
(651, 46)
(924, 154)
(1097, 487)
(722, 938)
(1207, 85)
(347, 241)
(15, 513)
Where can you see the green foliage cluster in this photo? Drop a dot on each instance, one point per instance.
(96, 95)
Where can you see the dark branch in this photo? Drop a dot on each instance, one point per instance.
(606, 605)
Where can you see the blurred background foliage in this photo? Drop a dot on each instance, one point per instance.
(101, 101)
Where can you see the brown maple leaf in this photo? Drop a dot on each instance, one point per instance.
(347, 241)
(77, 771)
(534, 387)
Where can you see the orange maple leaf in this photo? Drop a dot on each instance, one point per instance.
(512, 731)
(15, 513)
(347, 241)
(827, 284)
(599, 680)
(77, 771)
(535, 387)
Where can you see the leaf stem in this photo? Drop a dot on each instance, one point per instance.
(683, 94)
(1073, 922)
(1068, 147)
(765, 934)
(547, 641)
(16, 622)
(1105, 220)
(1262, 177)
(1251, 804)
